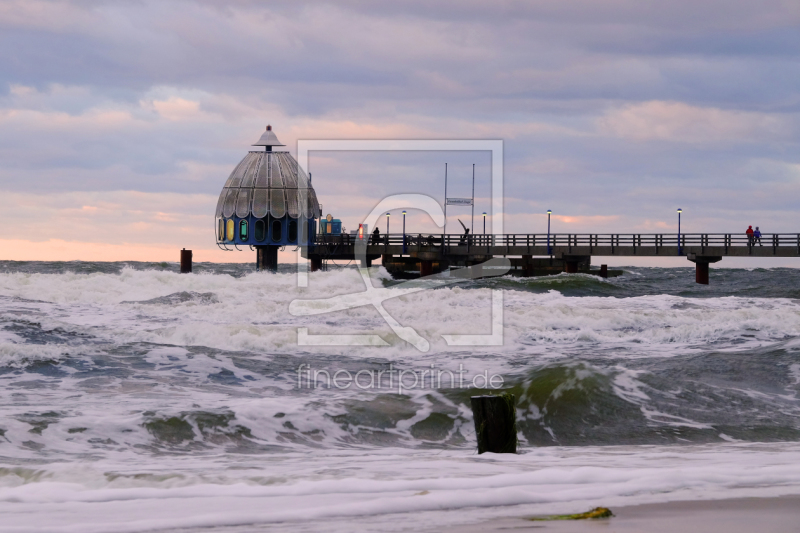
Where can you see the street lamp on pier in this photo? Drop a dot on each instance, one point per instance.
(404, 231)
(549, 212)
(679, 231)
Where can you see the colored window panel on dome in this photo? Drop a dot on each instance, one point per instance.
(243, 230)
(292, 231)
(260, 203)
(231, 230)
(221, 230)
(260, 230)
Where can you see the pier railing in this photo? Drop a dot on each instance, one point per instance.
(530, 240)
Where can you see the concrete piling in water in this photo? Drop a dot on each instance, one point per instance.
(701, 274)
(603, 271)
(495, 423)
(316, 262)
(527, 265)
(186, 261)
(425, 268)
(702, 266)
(571, 267)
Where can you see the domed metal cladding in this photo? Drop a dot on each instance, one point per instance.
(268, 183)
(264, 196)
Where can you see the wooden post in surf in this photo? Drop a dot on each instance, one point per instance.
(495, 423)
(186, 261)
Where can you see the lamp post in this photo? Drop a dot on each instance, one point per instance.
(549, 212)
(679, 231)
(484, 222)
(404, 231)
(387, 227)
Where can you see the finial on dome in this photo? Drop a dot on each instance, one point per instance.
(268, 139)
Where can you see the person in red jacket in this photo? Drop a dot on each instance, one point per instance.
(749, 233)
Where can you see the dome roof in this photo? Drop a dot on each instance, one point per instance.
(268, 183)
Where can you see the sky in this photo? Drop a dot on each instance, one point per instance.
(121, 121)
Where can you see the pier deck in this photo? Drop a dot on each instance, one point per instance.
(567, 252)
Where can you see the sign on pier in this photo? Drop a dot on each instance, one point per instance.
(459, 201)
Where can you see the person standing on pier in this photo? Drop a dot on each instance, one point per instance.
(749, 233)
(376, 236)
(757, 237)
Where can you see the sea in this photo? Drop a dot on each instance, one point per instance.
(134, 398)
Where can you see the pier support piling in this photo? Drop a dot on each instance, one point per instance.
(702, 268)
(316, 262)
(527, 265)
(573, 263)
(267, 258)
(425, 268)
(603, 271)
(571, 267)
(701, 275)
(495, 423)
(186, 261)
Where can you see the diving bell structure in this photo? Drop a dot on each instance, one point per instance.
(267, 203)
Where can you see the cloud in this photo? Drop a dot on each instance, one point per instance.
(612, 113)
(680, 122)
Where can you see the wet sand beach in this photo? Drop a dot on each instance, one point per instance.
(740, 515)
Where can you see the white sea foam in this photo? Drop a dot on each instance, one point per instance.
(400, 489)
(251, 314)
(216, 356)
(16, 354)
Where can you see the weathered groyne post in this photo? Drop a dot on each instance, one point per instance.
(186, 261)
(495, 423)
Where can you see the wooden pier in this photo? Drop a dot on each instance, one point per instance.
(540, 254)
